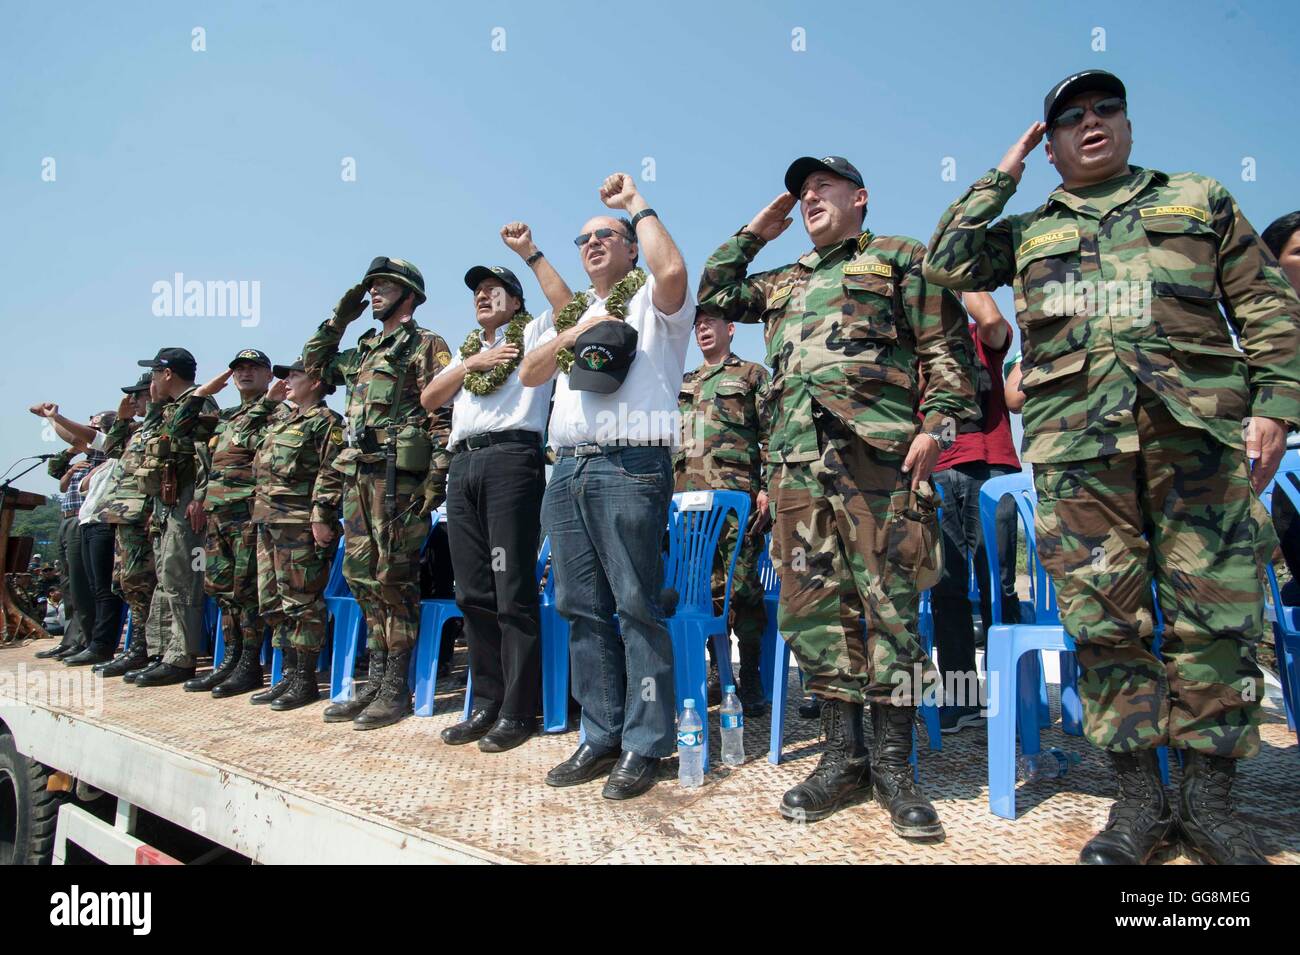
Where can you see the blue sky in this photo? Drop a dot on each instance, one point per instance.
(225, 164)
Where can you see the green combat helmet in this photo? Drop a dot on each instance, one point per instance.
(400, 271)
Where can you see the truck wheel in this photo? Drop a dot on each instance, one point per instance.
(28, 813)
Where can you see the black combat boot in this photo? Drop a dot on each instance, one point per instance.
(1141, 823)
(288, 662)
(844, 771)
(133, 659)
(393, 702)
(303, 688)
(348, 711)
(246, 677)
(912, 815)
(1211, 832)
(200, 684)
(750, 692)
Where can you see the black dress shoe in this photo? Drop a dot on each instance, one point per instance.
(587, 763)
(53, 651)
(467, 731)
(64, 652)
(88, 657)
(632, 775)
(131, 675)
(164, 674)
(127, 660)
(507, 734)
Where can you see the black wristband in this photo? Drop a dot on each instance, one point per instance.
(534, 257)
(643, 214)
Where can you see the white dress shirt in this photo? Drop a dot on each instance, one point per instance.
(644, 408)
(512, 407)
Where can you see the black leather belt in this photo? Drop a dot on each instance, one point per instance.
(476, 441)
(590, 450)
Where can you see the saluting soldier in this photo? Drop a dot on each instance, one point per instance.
(855, 525)
(724, 431)
(390, 476)
(230, 570)
(293, 492)
(1149, 431)
(171, 471)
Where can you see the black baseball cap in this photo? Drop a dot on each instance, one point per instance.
(602, 357)
(142, 385)
(502, 274)
(282, 371)
(251, 355)
(1089, 81)
(178, 360)
(802, 168)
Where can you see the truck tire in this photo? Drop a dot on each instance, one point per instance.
(28, 812)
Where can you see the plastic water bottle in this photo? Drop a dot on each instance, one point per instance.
(690, 747)
(732, 717)
(1049, 764)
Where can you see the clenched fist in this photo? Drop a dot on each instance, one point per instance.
(618, 191)
(519, 238)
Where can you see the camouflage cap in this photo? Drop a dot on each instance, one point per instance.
(400, 271)
(1087, 81)
(804, 167)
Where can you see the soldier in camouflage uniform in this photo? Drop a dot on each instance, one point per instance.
(848, 327)
(392, 473)
(290, 472)
(129, 510)
(1135, 398)
(230, 565)
(724, 431)
(172, 471)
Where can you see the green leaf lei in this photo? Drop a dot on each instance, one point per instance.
(615, 305)
(484, 383)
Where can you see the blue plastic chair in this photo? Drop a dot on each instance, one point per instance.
(555, 655)
(434, 614)
(929, 711)
(347, 632)
(767, 658)
(695, 523)
(1286, 619)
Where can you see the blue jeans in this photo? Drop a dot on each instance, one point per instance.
(606, 516)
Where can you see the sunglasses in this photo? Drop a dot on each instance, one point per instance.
(1103, 108)
(601, 234)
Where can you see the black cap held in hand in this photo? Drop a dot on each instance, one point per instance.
(602, 358)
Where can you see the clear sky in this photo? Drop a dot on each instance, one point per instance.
(227, 164)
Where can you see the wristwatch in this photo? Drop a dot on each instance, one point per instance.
(643, 214)
(943, 443)
(534, 257)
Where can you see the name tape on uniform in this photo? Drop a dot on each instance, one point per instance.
(1199, 214)
(1047, 238)
(869, 268)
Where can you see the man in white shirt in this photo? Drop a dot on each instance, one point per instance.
(606, 506)
(494, 501)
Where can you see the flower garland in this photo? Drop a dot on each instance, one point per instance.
(615, 306)
(484, 383)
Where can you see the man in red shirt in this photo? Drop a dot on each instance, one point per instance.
(960, 473)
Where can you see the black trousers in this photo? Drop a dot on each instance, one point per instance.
(78, 597)
(97, 561)
(494, 502)
(954, 634)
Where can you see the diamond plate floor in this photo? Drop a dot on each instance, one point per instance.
(497, 807)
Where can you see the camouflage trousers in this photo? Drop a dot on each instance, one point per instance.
(175, 625)
(844, 547)
(748, 615)
(291, 576)
(230, 573)
(381, 560)
(1180, 514)
(133, 571)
